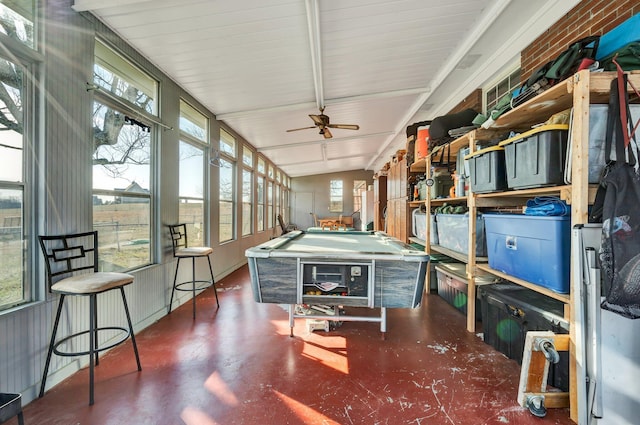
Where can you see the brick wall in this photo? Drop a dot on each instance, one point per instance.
(473, 101)
(589, 17)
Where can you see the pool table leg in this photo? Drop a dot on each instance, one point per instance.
(383, 322)
(291, 319)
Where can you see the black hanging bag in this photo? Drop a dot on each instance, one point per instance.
(619, 197)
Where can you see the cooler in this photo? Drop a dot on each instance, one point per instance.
(536, 158)
(509, 311)
(532, 248)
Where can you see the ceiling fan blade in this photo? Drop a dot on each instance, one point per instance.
(326, 133)
(303, 128)
(345, 126)
(317, 119)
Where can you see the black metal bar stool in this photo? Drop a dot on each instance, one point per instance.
(72, 270)
(181, 250)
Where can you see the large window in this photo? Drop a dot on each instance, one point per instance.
(16, 131)
(247, 191)
(504, 85)
(227, 212)
(247, 202)
(261, 188)
(194, 137)
(260, 207)
(122, 162)
(270, 216)
(359, 186)
(335, 196)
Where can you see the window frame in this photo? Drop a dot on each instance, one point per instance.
(229, 156)
(30, 59)
(195, 117)
(505, 75)
(335, 205)
(144, 119)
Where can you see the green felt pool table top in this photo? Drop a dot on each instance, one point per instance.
(338, 244)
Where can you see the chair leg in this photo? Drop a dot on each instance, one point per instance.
(92, 343)
(95, 334)
(193, 285)
(51, 344)
(173, 289)
(133, 337)
(213, 282)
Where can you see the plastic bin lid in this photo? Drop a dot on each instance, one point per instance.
(483, 151)
(540, 129)
(522, 297)
(459, 270)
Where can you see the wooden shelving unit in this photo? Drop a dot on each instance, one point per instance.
(578, 92)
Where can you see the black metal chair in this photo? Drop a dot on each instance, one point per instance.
(181, 250)
(72, 270)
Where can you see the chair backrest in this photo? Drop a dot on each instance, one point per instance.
(282, 225)
(178, 236)
(66, 255)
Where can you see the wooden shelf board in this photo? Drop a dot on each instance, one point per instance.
(416, 203)
(563, 192)
(453, 254)
(416, 240)
(457, 200)
(561, 297)
(420, 166)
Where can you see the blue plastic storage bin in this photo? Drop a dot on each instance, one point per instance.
(532, 248)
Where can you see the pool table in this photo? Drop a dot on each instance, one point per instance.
(338, 268)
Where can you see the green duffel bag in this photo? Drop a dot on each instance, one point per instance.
(628, 57)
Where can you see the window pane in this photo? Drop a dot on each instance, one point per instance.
(191, 171)
(227, 143)
(122, 197)
(11, 252)
(270, 205)
(121, 160)
(261, 166)
(247, 202)
(192, 214)
(335, 196)
(247, 156)
(359, 186)
(11, 122)
(12, 242)
(260, 209)
(227, 223)
(116, 75)
(16, 20)
(191, 182)
(123, 227)
(193, 122)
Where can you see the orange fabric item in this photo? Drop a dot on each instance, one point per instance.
(422, 145)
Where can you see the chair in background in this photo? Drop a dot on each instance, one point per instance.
(72, 270)
(286, 228)
(182, 250)
(315, 219)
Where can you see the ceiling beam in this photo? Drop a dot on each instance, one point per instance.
(334, 101)
(332, 140)
(86, 5)
(315, 44)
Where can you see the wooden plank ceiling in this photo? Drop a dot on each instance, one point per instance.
(263, 66)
